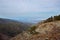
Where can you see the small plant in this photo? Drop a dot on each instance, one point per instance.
(32, 30)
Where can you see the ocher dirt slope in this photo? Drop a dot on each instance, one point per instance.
(46, 31)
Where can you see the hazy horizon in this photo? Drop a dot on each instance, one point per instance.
(29, 10)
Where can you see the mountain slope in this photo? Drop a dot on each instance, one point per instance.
(4, 37)
(46, 31)
(12, 27)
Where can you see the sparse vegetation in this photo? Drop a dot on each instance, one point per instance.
(47, 31)
(31, 30)
(54, 18)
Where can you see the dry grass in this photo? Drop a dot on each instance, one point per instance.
(47, 31)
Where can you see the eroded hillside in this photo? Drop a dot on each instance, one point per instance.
(46, 31)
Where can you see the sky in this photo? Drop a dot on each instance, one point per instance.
(29, 10)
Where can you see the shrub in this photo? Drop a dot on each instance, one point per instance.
(32, 30)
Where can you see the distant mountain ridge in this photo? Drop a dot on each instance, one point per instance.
(12, 27)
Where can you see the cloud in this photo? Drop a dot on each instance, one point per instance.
(30, 5)
(25, 8)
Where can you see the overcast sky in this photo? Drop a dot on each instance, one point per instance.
(29, 9)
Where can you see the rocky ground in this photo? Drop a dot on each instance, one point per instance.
(46, 31)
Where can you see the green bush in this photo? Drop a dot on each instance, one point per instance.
(32, 30)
